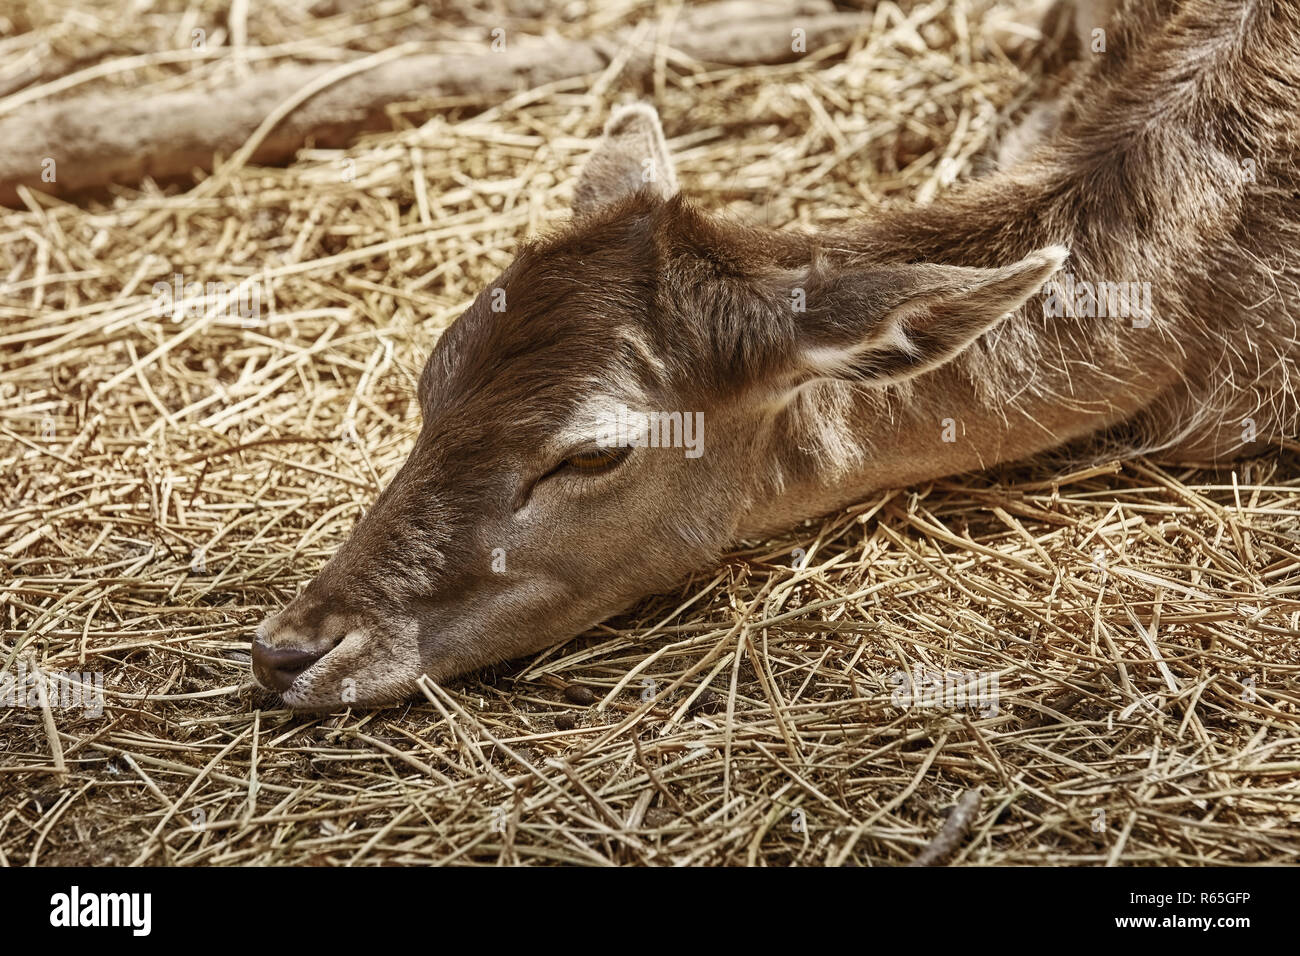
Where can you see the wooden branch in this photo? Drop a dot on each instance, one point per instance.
(122, 138)
(953, 831)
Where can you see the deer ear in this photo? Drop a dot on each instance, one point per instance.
(888, 323)
(631, 155)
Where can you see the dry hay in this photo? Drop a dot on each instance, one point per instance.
(1141, 621)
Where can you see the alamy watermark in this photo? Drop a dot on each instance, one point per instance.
(246, 301)
(637, 429)
(61, 689)
(977, 690)
(74, 908)
(1099, 300)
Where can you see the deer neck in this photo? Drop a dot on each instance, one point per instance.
(1033, 383)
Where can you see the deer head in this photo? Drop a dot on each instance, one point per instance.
(600, 421)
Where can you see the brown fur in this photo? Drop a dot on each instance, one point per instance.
(649, 300)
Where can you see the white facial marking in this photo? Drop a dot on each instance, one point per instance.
(603, 420)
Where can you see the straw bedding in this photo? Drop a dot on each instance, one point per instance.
(168, 480)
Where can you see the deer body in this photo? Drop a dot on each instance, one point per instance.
(914, 346)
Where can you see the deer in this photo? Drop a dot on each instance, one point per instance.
(533, 504)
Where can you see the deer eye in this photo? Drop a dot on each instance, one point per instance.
(592, 461)
(588, 461)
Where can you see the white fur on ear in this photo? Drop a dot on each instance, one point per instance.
(1050, 258)
(924, 316)
(632, 155)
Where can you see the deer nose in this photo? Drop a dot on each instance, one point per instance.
(278, 667)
